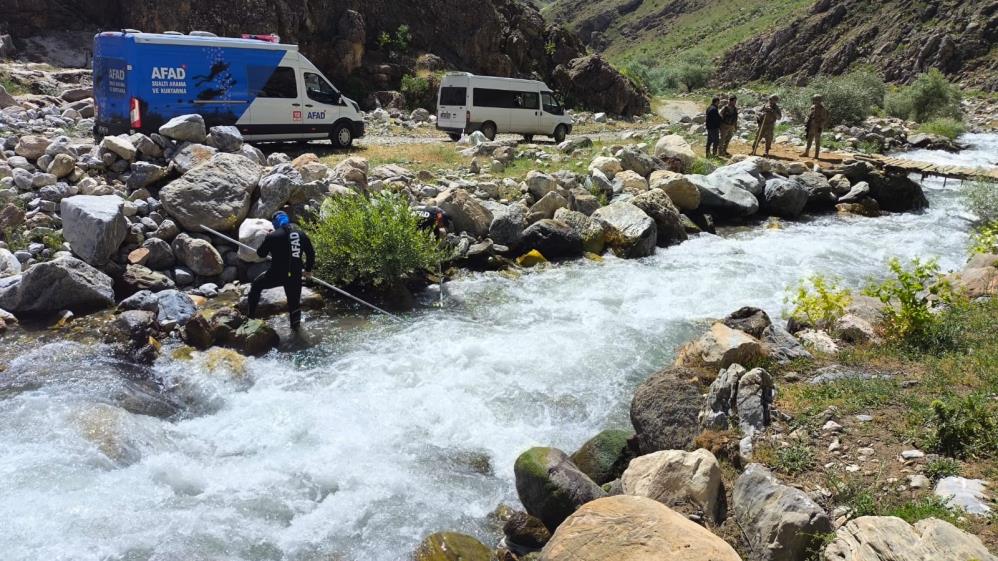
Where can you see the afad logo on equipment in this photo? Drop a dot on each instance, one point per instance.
(169, 73)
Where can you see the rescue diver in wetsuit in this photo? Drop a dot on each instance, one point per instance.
(292, 257)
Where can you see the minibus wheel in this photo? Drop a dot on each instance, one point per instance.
(342, 136)
(489, 130)
(454, 136)
(528, 138)
(560, 133)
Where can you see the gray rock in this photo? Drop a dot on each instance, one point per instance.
(858, 192)
(139, 278)
(175, 309)
(820, 193)
(144, 174)
(274, 191)
(723, 197)
(191, 155)
(592, 233)
(225, 139)
(252, 232)
(216, 194)
(782, 346)
(131, 327)
(540, 184)
(598, 184)
(62, 284)
(546, 207)
(638, 161)
(785, 198)
(554, 239)
(141, 300)
(969, 495)
(745, 175)
(160, 254)
(755, 397)
(550, 486)
(664, 410)
(781, 523)
(197, 255)
(465, 211)
(274, 301)
(185, 128)
(630, 232)
(94, 227)
(668, 222)
(120, 146)
(9, 265)
(888, 538)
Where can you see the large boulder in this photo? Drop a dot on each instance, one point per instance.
(452, 546)
(781, 522)
(677, 477)
(784, 198)
(550, 486)
(62, 284)
(93, 226)
(593, 233)
(637, 161)
(683, 193)
(629, 182)
(664, 410)
(722, 196)
(820, 193)
(594, 82)
(745, 175)
(185, 128)
(9, 265)
(508, 223)
(554, 239)
(274, 190)
(675, 147)
(628, 528)
(629, 231)
(216, 193)
(252, 232)
(605, 456)
(198, 255)
(225, 138)
(31, 146)
(467, 212)
(887, 538)
(896, 192)
(175, 309)
(668, 222)
(540, 184)
(721, 347)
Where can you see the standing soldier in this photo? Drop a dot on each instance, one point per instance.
(729, 124)
(817, 120)
(768, 116)
(713, 124)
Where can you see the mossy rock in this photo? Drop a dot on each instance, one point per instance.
(605, 456)
(452, 546)
(550, 486)
(255, 337)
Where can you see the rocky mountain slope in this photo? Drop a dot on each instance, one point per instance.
(498, 37)
(795, 39)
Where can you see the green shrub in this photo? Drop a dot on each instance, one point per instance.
(420, 91)
(910, 297)
(372, 242)
(982, 199)
(796, 458)
(850, 98)
(637, 73)
(964, 426)
(550, 48)
(818, 301)
(703, 166)
(930, 96)
(944, 126)
(985, 239)
(939, 468)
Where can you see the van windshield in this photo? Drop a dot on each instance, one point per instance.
(318, 89)
(551, 104)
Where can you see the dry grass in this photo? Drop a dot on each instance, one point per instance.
(416, 157)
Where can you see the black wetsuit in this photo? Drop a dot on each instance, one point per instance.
(432, 218)
(291, 253)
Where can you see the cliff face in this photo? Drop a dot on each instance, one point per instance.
(901, 38)
(496, 37)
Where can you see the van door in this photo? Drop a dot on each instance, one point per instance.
(551, 115)
(323, 105)
(276, 112)
(452, 109)
(527, 114)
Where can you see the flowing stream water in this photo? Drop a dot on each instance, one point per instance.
(358, 447)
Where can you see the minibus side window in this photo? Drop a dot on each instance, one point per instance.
(318, 89)
(273, 82)
(551, 105)
(530, 100)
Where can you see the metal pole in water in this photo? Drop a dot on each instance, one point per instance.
(314, 278)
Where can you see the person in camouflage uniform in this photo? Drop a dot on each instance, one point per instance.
(768, 116)
(817, 120)
(729, 124)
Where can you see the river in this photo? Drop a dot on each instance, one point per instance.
(357, 448)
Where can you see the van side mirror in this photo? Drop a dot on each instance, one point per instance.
(339, 99)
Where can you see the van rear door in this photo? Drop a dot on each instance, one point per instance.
(452, 108)
(111, 80)
(276, 112)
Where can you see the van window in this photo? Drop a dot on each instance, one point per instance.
(496, 98)
(270, 82)
(530, 100)
(453, 96)
(551, 105)
(318, 89)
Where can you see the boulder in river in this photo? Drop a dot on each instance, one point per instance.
(627, 528)
(721, 347)
(465, 211)
(525, 532)
(683, 193)
(256, 338)
(175, 309)
(452, 546)
(61, 284)
(629, 231)
(550, 486)
(664, 410)
(785, 198)
(216, 193)
(93, 226)
(668, 222)
(723, 197)
(554, 239)
(605, 456)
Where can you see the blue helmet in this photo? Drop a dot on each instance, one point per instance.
(281, 219)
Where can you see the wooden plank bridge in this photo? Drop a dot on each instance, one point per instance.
(926, 169)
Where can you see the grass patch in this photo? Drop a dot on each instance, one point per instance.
(938, 468)
(796, 458)
(866, 499)
(12, 86)
(417, 157)
(945, 126)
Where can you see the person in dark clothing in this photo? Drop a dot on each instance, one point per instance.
(713, 127)
(291, 259)
(433, 217)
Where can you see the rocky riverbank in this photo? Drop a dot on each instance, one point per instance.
(721, 459)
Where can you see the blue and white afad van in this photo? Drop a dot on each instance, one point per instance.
(266, 89)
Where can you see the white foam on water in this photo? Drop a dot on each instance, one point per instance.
(360, 447)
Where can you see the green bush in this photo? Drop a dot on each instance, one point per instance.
(850, 98)
(420, 91)
(965, 426)
(692, 71)
(930, 96)
(796, 458)
(939, 468)
(372, 242)
(985, 239)
(637, 73)
(818, 301)
(399, 42)
(944, 126)
(982, 199)
(910, 297)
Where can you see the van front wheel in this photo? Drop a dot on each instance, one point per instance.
(560, 133)
(342, 136)
(454, 136)
(489, 130)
